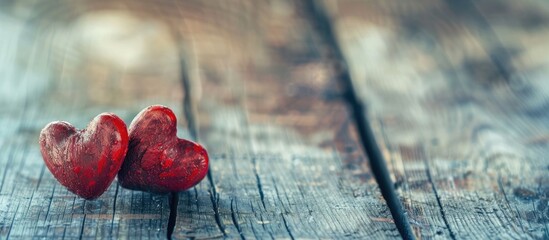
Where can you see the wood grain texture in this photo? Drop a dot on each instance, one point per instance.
(285, 160)
(457, 92)
(283, 163)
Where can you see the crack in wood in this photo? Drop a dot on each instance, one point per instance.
(500, 186)
(437, 196)
(259, 186)
(235, 221)
(12, 221)
(254, 160)
(189, 108)
(174, 199)
(286, 226)
(83, 221)
(215, 205)
(321, 21)
(114, 207)
(51, 201)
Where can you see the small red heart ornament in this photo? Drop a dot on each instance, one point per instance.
(158, 161)
(85, 161)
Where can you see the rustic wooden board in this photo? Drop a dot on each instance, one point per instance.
(285, 160)
(457, 92)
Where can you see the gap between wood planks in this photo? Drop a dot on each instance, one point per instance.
(320, 19)
(191, 115)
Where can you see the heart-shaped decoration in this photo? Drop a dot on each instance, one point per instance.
(158, 161)
(85, 161)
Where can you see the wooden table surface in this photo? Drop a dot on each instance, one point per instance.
(302, 105)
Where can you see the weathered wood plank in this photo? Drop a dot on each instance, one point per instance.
(459, 103)
(275, 127)
(285, 160)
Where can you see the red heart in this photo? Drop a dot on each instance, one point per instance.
(158, 161)
(85, 161)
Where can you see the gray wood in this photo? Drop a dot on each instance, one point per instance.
(458, 94)
(285, 160)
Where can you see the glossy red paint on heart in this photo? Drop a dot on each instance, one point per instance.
(158, 161)
(85, 161)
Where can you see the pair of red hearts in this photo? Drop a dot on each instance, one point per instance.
(149, 158)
